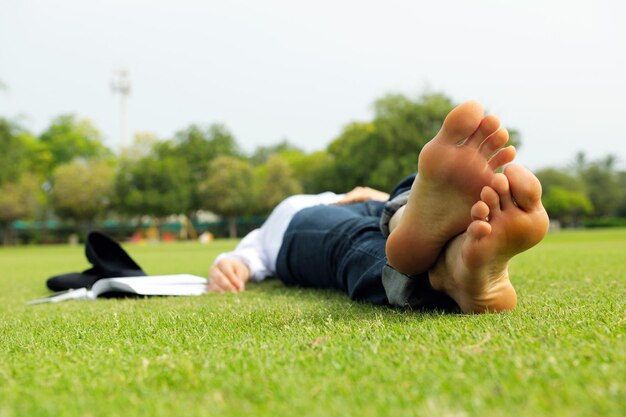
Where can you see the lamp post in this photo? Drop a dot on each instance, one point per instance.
(121, 85)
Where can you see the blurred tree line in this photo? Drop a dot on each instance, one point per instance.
(587, 193)
(67, 173)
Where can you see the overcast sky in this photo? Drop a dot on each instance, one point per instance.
(273, 69)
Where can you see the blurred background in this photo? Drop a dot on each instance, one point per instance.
(173, 120)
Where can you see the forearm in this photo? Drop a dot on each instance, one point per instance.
(360, 194)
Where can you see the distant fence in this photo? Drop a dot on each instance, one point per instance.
(54, 231)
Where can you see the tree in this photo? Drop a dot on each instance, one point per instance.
(566, 206)
(144, 145)
(150, 186)
(356, 153)
(621, 208)
(68, 138)
(18, 200)
(14, 151)
(38, 157)
(277, 182)
(82, 190)
(263, 153)
(602, 188)
(601, 184)
(197, 146)
(314, 171)
(553, 177)
(228, 189)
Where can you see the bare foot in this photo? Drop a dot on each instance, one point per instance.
(508, 219)
(453, 168)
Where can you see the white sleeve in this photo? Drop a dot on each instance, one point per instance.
(250, 252)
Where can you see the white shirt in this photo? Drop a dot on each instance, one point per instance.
(259, 249)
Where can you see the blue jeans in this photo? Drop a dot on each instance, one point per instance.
(339, 247)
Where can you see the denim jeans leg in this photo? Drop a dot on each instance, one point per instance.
(335, 247)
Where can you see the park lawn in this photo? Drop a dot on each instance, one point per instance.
(287, 351)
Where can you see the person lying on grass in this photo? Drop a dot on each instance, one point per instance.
(442, 239)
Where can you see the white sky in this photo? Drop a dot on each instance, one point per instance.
(274, 69)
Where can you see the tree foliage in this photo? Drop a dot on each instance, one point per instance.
(14, 151)
(144, 144)
(19, 200)
(602, 185)
(554, 177)
(197, 146)
(276, 182)
(82, 190)
(314, 171)
(621, 207)
(202, 167)
(263, 153)
(566, 206)
(228, 189)
(587, 188)
(68, 138)
(151, 186)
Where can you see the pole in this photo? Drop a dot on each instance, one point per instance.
(121, 85)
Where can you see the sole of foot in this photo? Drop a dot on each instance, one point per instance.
(452, 170)
(508, 219)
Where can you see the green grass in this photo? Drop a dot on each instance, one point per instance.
(286, 351)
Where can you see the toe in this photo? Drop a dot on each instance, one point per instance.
(502, 157)
(478, 229)
(480, 210)
(500, 184)
(461, 122)
(494, 142)
(487, 127)
(490, 197)
(525, 187)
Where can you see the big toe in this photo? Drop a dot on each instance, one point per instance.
(525, 187)
(462, 121)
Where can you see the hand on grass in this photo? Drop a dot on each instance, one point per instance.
(228, 275)
(360, 194)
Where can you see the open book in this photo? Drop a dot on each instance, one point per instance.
(181, 284)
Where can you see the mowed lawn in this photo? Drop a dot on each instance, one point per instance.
(275, 350)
